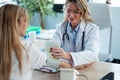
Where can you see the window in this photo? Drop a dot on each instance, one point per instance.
(7, 1)
(113, 2)
(99, 1)
(59, 1)
(62, 1)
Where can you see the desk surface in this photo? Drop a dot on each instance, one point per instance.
(94, 72)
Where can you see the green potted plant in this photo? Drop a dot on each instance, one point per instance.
(43, 7)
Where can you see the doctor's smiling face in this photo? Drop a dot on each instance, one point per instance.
(73, 14)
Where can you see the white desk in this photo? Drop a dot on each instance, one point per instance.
(94, 72)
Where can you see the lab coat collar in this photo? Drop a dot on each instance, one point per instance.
(82, 25)
(69, 28)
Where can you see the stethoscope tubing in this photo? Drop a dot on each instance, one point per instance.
(83, 36)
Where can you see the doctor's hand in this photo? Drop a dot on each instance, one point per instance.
(60, 53)
(65, 65)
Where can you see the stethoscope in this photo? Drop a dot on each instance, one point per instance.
(65, 33)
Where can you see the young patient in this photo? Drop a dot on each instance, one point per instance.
(18, 57)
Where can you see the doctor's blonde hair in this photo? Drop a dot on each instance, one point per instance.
(10, 38)
(83, 7)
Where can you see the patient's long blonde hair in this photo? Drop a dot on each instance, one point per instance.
(10, 38)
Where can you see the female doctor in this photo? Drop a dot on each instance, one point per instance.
(77, 35)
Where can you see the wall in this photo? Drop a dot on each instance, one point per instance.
(115, 44)
(35, 21)
(50, 20)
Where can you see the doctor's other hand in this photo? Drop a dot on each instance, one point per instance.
(60, 53)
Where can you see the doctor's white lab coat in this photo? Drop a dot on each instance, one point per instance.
(91, 43)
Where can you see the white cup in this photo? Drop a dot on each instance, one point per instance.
(32, 36)
(68, 74)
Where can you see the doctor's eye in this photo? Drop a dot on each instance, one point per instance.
(72, 11)
(68, 11)
(76, 12)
